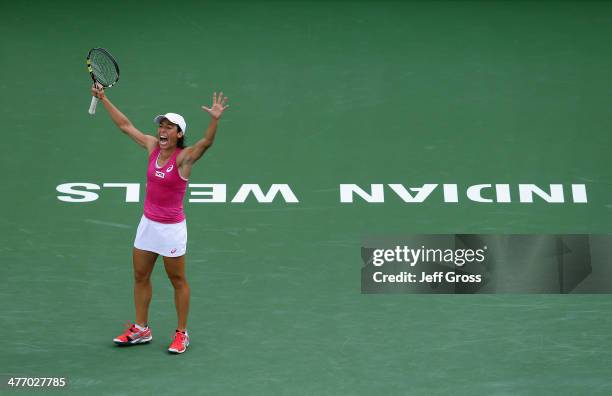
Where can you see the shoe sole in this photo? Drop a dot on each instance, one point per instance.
(140, 341)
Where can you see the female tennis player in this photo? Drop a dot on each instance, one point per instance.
(163, 230)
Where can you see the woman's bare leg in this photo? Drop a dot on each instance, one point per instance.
(143, 267)
(175, 268)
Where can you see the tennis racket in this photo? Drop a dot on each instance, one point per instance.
(103, 69)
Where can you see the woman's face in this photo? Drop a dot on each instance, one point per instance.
(168, 134)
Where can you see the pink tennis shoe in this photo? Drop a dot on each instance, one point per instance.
(133, 335)
(180, 343)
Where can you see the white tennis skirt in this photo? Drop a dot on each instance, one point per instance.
(168, 240)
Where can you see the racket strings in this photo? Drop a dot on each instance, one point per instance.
(104, 69)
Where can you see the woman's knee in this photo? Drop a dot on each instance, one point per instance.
(142, 276)
(143, 263)
(178, 281)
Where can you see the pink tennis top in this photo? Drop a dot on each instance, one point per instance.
(165, 190)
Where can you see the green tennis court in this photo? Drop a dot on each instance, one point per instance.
(322, 94)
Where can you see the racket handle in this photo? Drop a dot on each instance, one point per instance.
(92, 107)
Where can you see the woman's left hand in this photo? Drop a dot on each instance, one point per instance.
(218, 107)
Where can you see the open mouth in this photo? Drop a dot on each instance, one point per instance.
(163, 139)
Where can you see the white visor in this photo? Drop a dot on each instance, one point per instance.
(173, 118)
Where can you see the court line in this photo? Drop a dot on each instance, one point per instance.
(107, 223)
(286, 209)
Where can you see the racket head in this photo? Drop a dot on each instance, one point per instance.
(102, 67)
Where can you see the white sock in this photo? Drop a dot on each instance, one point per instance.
(139, 327)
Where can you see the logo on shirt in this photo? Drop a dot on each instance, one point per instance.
(170, 168)
(160, 174)
(173, 251)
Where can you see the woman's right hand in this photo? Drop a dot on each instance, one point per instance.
(97, 90)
